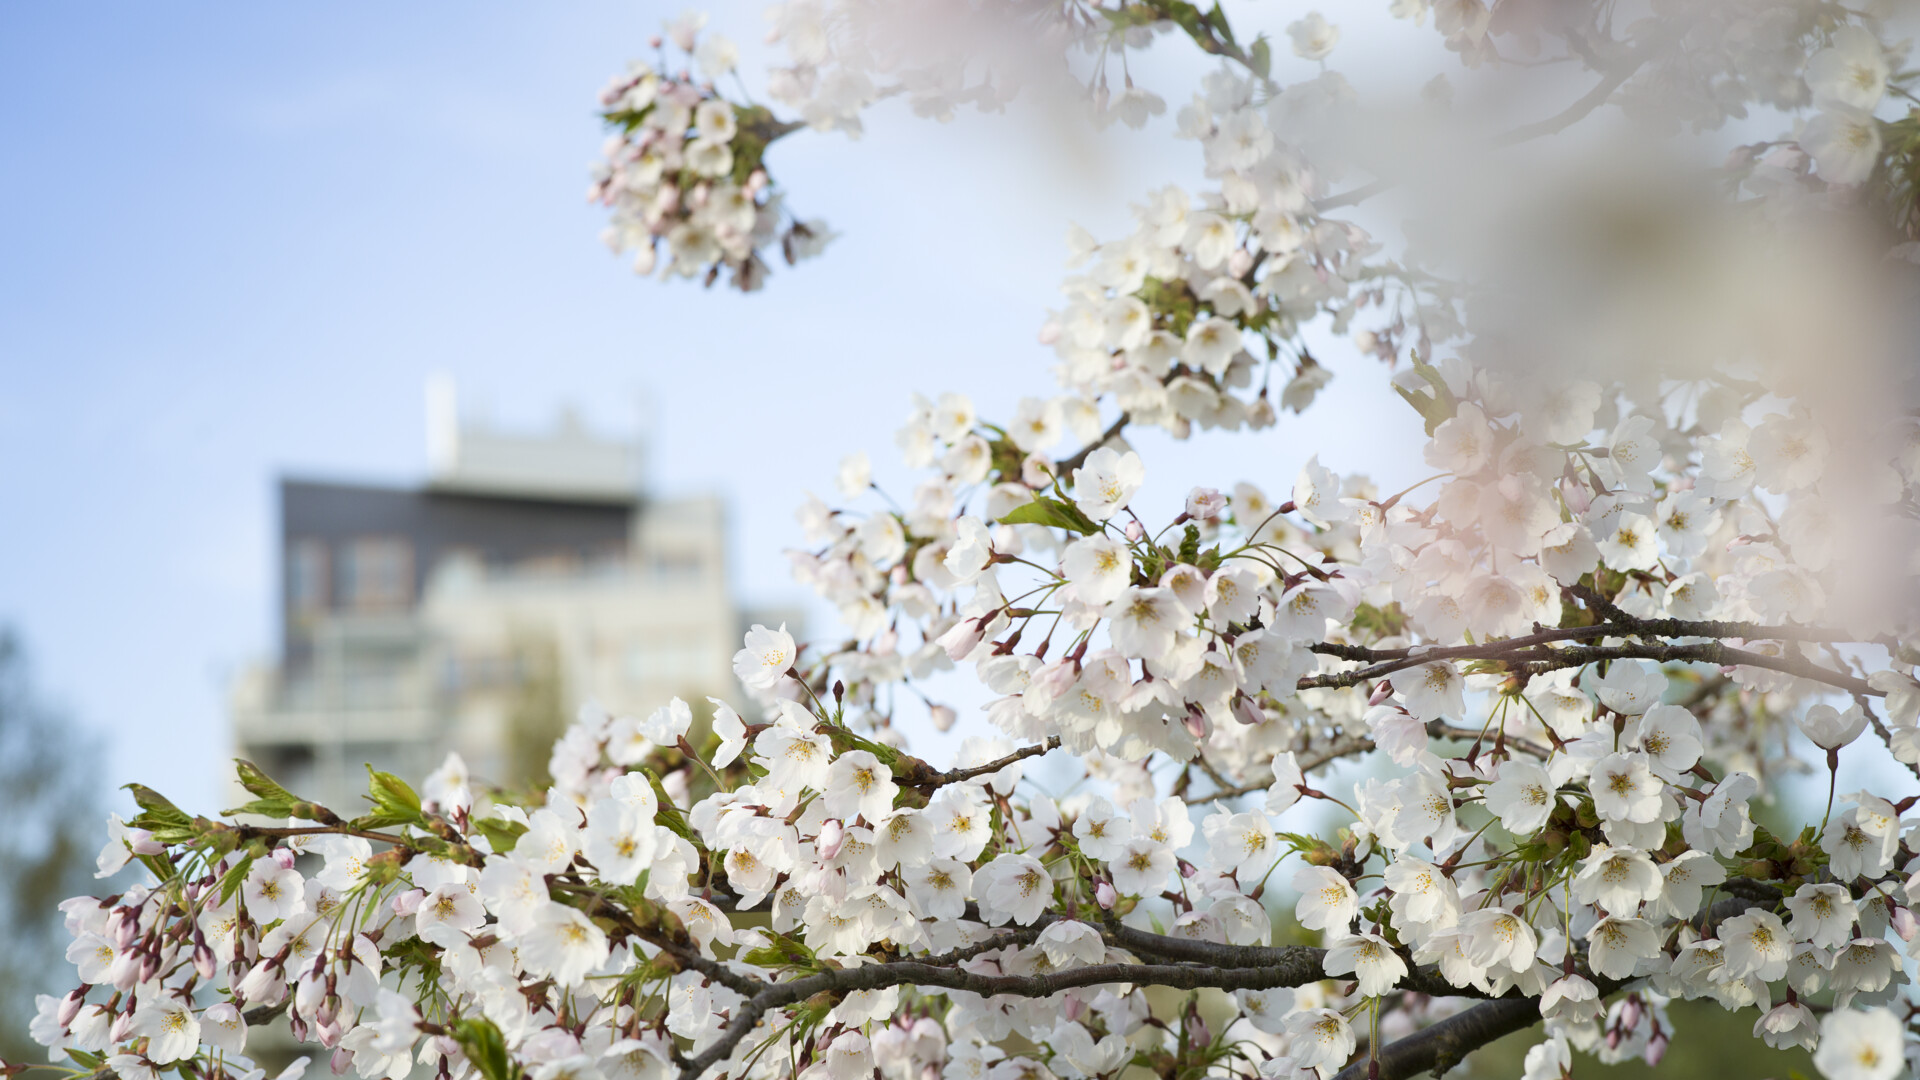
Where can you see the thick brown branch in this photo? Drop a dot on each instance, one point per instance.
(1446, 1043)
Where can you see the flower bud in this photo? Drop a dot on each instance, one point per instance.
(121, 1027)
(1136, 532)
(1197, 1033)
(143, 843)
(126, 927)
(1247, 711)
(831, 836)
(283, 857)
(1104, 895)
(943, 717)
(70, 1005)
(962, 639)
(341, 1061)
(408, 903)
(1656, 1049)
(1904, 923)
(203, 959)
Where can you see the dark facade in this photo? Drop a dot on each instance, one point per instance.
(359, 548)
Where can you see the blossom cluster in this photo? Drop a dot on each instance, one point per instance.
(684, 175)
(1613, 613)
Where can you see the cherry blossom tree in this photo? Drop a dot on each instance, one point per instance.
(1644, 306)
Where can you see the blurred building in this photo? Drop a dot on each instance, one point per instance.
(476, 612)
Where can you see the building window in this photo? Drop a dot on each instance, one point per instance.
(376, 574)
(684, 564)
(306, 578)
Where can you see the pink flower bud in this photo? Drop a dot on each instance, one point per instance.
(408, 903)
(70, 1005)
(1075, 1008)
(1630, 1013)
(143, 843)
(203, 960)
(126, 927)
(283, 857)
(1197, 723)
(121, 1027)
(943, 717)
(1247, 712)
(1905, 924)
(1656, 1049)
(341, 1061)
(831, 835)
(1578, 497)
(1136, 532)
(1104, 895)
(962, 639)
(1382, 690)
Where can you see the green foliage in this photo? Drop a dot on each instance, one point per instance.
(394, 802)
(485, 1047)
(502, 835)
(48, 769)
(785, 952)
(1434, 409)
(1052, 513)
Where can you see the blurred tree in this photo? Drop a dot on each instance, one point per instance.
(53, 826)
(536, 713)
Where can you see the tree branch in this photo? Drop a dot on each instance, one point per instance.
(1554, 124)
(1065, 466)
(922, 775)
(1441, 1046)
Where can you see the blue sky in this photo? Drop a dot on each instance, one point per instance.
(238, 239)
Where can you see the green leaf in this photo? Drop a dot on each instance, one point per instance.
(394, 802)
(1190, 545)
(502, 835)
(231, 881)
(1262, 56)
(784, 952)
(1052, 513)
(156, 808)
(1218, 20)
(258, 783)
(1430, 410)
(485, 1047)
(269, 798)
(668, 814)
